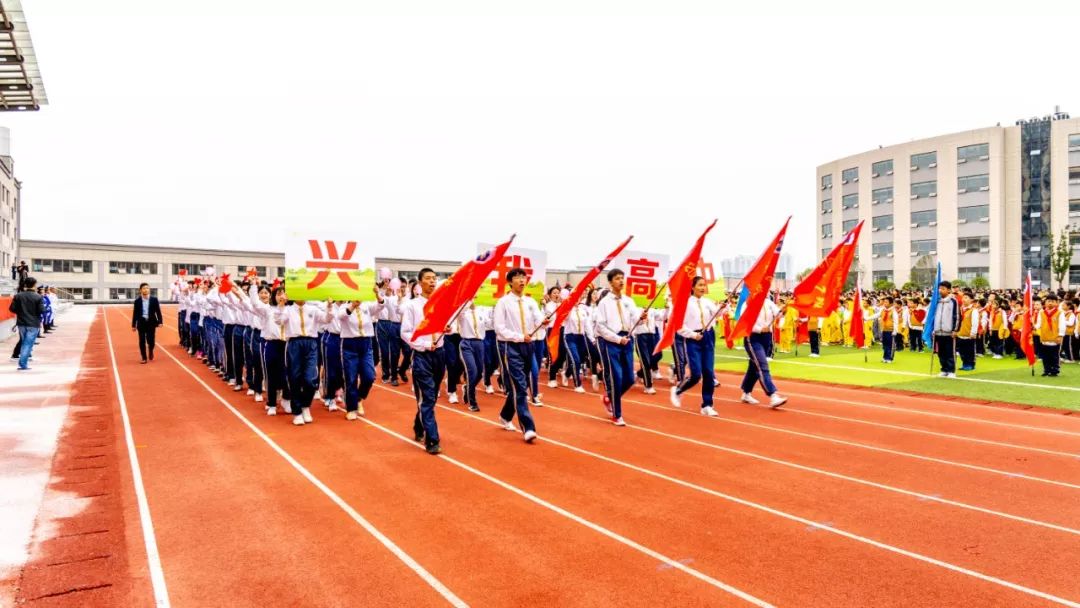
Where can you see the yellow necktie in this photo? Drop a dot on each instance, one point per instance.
(300, 309)
(359, 322)
(475, 324)
(701, 311)
(622, 320)
(521, 310)
(577, 313)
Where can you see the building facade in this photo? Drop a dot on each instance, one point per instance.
(111, 272)
(983, 203)
(9, 204)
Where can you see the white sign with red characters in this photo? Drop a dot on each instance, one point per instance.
(645, 273)
(532, 261)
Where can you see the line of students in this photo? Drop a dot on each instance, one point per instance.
(289, 353)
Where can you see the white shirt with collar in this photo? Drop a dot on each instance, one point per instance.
(509, 313)
(766, 317)
(579, 321)
(263, 316)
(608, 321)
(411, 316)
(359, 323)
(470, 324)
(698, 313)
(299, 321)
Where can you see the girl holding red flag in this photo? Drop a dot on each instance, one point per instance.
(700, 340)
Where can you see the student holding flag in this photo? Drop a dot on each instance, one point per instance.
(700, 340)
(428, 365)
(943, 325)
(1049, 328)
(517, 318)
(616, 315)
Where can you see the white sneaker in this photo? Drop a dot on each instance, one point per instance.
(619, 421)
(997, 356)
(595, 382)
(333, 407)
(650, 391)
(709, 411)
(453, 398)
(565, 382)
(306, 414)
(580, 389)
(768, 358)
(950, 375)
(748, 398)
(943, 375)
(238, 388)
(536, 401)
(507, 425)
(776, 400)
(298, 420)
(271, 411)
(489, 389)
(351, 416)
(250, 392)
(530, 436)
(675, 400)
(814, 355)
(232, 383)
(286, 405)
(360, 408)
(553, 384)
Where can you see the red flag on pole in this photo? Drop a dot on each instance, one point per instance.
(757, 283)
(458, 289)
(818, 294)
(679, 288)
(563, 311)
(1026, 342)
(226, 284)
(858, 323)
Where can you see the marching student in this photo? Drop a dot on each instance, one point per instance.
(1016, 325)
(889, 323)
(516, 318)
(253, 340)
(471, 352)
(578, 331)
(356, 323)
(383, 331)
(146, 318)
(538, 348)
(903, 317)
(395, 305)
(700, 339)
(452, 356)
(593, 346)
(757, 368)
(558, 364)
(616, 315)
(946, 324)
(178, 292)
(1048, 326)
(491, 347)
(969, 331)
(415, 290)
(301, 323)
(262, 304)
(428, 362)
(645, 341)
(330, 342)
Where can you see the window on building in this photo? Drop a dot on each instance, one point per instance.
(191, 269)
(826, 206)
(1074, 275)
(80, 293)
(77, 266)
(1074, 240)
(883, 167)
(850, 201)
(1074, 207)
(882, 249)
(978, 213)
(826, 181)
(281, 272)
(259, 270)
(920, 219)
(825, 252)
(848, 225)
(974, 244)
(926, 160)
(1074, 141)
(882, 195)
(882, 222)
(924, 189)
(883, 275)
(970, 273)
(968, 154)
(826, 231)
(924, 247)
(850, 175)
(1074, 175)
(132, 268)
(973, 183)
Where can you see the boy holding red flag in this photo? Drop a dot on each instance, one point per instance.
(517, 319)
(616, 315)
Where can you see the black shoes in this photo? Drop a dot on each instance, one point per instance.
(418, 436)
(434, 449)
(394, 382)
(474, 408)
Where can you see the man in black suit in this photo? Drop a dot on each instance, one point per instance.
(146, 317)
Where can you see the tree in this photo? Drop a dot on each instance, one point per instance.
(884, 285)
(911, 286)
(1060, 257)
(924, 272)
(980, 282)
(959, 283)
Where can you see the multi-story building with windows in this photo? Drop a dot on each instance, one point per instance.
(9, 205)
(984, 203)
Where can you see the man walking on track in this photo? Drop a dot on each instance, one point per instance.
(429, 364)
(516, 318)
(146, 318)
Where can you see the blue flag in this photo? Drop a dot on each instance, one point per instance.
(744, 296)
(928, 327)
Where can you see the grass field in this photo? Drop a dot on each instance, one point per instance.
(1005, 380)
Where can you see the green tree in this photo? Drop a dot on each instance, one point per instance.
(980, 282)
(959, 283)
(924, 272)
(1061, 255)
(911, 286)
(884, 285)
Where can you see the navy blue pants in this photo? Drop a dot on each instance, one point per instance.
(273, 358)
(966, 349)
(382, 335)
(302, 356)
(182, 328)
(358, 363)
(517, 357)
(255, 363)
(249, 359)
(491, 356)
(618, 362)
(428, 370)
(393, 350)
(452, 356)
(680, 357)
(194, 334)
(887, 345)
(1050, 354)
(700, 357)
(757, 370)
(946, 352)
(560, 357)
(575, 350)
(331, 358)
(232, 371)
(645, 344)
(471, 355)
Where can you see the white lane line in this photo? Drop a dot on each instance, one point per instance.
(153, 558)
(667, 561)
(865, 482)
(413, 565)
(760, 507)
(863, 446)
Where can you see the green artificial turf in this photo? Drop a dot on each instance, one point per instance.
(911, 372)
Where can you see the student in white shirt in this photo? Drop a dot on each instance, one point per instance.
(757, 369)
(558, 362)
(616, 315)
(301, 324)
(577, 332)
(516, 319)
(428, 364)
(272, 352)
(356, 322)
(700, 339)
(470, 327)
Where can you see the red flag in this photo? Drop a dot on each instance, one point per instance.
(802, 334)
(728, 328)
(226, 285)
(1026, 343)
(819, 293)
(458, 289)
(757, 283)
(569, 303)
(679, 288)
(858, 323)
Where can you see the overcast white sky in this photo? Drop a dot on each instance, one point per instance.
(228, 123)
